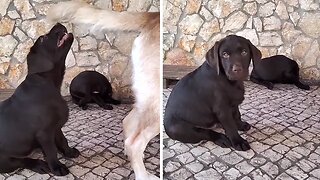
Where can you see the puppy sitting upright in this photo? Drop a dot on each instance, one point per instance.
(211, 94)
(89, 87)
(34, 115)
(276, 69)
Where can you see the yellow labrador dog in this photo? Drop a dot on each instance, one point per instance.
(143, 122)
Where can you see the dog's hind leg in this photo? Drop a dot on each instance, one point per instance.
(137, 136)
(302, 86)
(293, 77)
(63, 147)
(113, 101)
(83, 102)
(187, 133)
(8, 165)
(75, 99)
(267, 84)
(297, 82)
(98, 99)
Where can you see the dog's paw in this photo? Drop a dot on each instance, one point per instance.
(84, 107)
(59, 169)
(40, 167)
(223, 141)
(116, 102)
(244, 126)
(107, 107)
(270, 86)
(72, 153)
(241, 145)
(306, 87)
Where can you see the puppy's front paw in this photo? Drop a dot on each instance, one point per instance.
(241, 144)
(269, 86)
(84, 107)
(72, 153)
(59, 169)
(306, 87)
(107, 107)
(223, 141)
(244, 126)
(116, 102)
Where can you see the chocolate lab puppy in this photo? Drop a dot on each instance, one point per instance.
(92, 87)
(211, 94)
(34, 115)
(276, 69)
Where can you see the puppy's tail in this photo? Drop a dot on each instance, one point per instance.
(82, 13)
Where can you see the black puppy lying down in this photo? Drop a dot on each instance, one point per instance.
(276, 69)
(211, 94)
(89, 87)
(34, 115)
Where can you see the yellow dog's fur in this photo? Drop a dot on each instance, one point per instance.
(143, 122)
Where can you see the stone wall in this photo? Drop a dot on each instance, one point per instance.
(23, 21)
(288, 27)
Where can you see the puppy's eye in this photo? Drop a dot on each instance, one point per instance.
(244, 52)
(225, 55)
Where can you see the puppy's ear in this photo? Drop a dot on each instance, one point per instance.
(255, 52)
(37, 64)
(212, 57)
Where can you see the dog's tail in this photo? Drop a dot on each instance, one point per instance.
(82, 13)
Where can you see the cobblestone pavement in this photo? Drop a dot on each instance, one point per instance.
(97, 134)
(284, 139)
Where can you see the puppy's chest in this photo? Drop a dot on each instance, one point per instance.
(234, 94)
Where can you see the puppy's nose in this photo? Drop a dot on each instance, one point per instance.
(236, 68)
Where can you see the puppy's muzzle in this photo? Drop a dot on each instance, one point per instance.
(237, 69)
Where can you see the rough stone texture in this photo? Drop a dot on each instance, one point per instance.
(187, 42)
(178, 57)
(281, 10)
(309, 4)
(4, 7)
(22, 50)
(267, 9)
(171, 19)
(193, 6)
(23, 21)
(7, 45)
(235, 22)
(249, 34)
(250, 8)
(98, 135)
(310, 24)
(284, 138)
(300, 46)
(274, 26)
(271, 23)
(209, 28)
(25, 9)
(270, 39)
(224, 8)
(191, 24)
(6, 25)
(294, 17)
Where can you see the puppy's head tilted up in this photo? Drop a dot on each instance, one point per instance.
(50, 50)
(231, 57)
